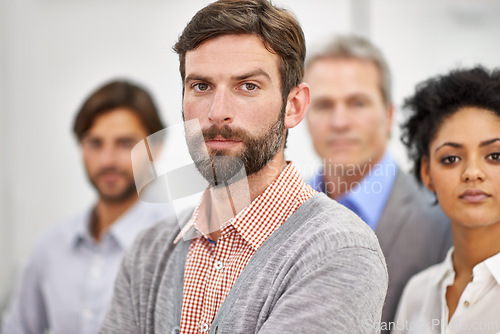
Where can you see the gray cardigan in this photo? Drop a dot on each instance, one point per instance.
(322, 271)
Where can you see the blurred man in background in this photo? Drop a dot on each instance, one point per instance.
(350, 122)
(67, 283)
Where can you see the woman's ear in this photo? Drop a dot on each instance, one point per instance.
(297, 103)
(425, 174)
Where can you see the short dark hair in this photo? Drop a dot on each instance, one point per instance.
(440, 97)
(118, 94)
(278, 29)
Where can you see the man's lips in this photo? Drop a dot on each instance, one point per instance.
(221, 143)
(342, 143)
(109, 177)
(474, 195)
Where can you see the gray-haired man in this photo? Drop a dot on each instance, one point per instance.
(350, 122)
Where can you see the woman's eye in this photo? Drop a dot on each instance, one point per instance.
(494, 156)
(449, 160)
(249, 86)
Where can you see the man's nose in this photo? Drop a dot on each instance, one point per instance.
(108, 155)
(222, 107)
(339, 118)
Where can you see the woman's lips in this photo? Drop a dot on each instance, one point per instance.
(474, 195)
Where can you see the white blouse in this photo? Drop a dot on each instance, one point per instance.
(423, 308)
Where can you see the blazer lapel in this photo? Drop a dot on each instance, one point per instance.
(393, 219)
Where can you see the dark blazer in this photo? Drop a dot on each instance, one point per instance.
(413, 234)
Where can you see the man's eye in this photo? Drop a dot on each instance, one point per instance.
(358, 103)
(201, 87)
(249, 86)
(93, 144)
(322, 105)
(127, 144)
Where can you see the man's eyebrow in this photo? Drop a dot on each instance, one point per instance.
(128, 137)
(196, 77)
(259, 72)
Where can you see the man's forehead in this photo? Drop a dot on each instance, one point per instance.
(346, 65)
(118, 123)
(346, 76)
(239, 55)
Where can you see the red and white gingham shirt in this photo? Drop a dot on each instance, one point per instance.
(211, 269)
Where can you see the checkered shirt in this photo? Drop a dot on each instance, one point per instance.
(212, 268)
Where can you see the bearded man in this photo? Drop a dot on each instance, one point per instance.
(262, 251)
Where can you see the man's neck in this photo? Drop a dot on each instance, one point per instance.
(340, 179)
(223, 203)
(106, 213)
(258, 182)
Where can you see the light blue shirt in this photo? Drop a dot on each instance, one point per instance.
(68, 281)
(368, 198)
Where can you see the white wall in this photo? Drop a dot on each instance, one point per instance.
(5, 230)
(55, 51)
(425, 38)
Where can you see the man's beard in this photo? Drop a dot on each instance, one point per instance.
(115, 197)
(222, 169)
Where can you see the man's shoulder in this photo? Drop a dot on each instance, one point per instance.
(416, 198)
(407, 184)
(62, 230)
(322, 218)
(152, 241)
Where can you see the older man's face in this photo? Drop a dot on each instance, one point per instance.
(348, 120)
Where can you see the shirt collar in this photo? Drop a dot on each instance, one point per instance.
(281, 194)
(125, 228)
(445, 268)
(79, 229)
(491, 265)
(371, 193)
(139, 216)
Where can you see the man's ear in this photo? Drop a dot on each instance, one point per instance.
(425, 174)
(297, 103)
(390, 118)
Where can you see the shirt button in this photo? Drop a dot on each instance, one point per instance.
(218, 265)
(466, 303)
(204, 327)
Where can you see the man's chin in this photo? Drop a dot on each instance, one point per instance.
(235, 152)
(117, 195)
(341, 158)
(116, 198)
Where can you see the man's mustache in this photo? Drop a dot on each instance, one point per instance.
(225, 132)
(109, 170)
